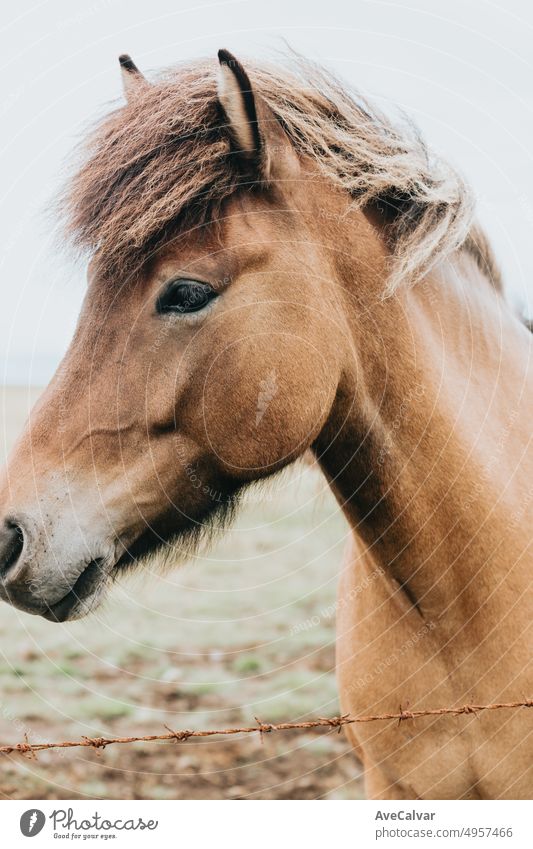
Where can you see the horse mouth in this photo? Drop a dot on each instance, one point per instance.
(84, 596)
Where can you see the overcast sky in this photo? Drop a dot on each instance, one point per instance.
(462, 69)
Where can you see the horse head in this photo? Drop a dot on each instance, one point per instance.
(208, 349)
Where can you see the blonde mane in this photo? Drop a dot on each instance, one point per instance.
(161, 165)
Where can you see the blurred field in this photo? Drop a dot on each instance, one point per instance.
(246, 631)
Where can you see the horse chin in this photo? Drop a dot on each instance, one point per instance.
(163, 547)
(158, 548)
(85, 596)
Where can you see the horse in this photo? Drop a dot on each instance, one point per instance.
(241, 223)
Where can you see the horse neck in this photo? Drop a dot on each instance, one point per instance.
(423, 447)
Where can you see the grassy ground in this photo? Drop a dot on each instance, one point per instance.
(246, 631)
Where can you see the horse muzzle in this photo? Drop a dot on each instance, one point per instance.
(59, 582)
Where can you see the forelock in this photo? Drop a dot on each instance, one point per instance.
(152, 168)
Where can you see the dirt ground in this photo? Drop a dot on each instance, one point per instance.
(246, 631)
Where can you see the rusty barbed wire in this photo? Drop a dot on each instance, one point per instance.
(260, 728)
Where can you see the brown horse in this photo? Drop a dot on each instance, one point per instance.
(242, 228)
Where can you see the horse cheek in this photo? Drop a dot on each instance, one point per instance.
(269, 420)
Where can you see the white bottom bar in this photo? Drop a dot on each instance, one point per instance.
(264, 825)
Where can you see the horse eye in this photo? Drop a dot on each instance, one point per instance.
(185, 296)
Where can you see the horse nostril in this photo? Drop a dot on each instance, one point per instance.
(11, 545)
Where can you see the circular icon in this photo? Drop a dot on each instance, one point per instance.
(32, 822)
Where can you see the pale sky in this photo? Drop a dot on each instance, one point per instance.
(462, 69)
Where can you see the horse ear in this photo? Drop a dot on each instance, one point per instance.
(255, 132)
(132, 79)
